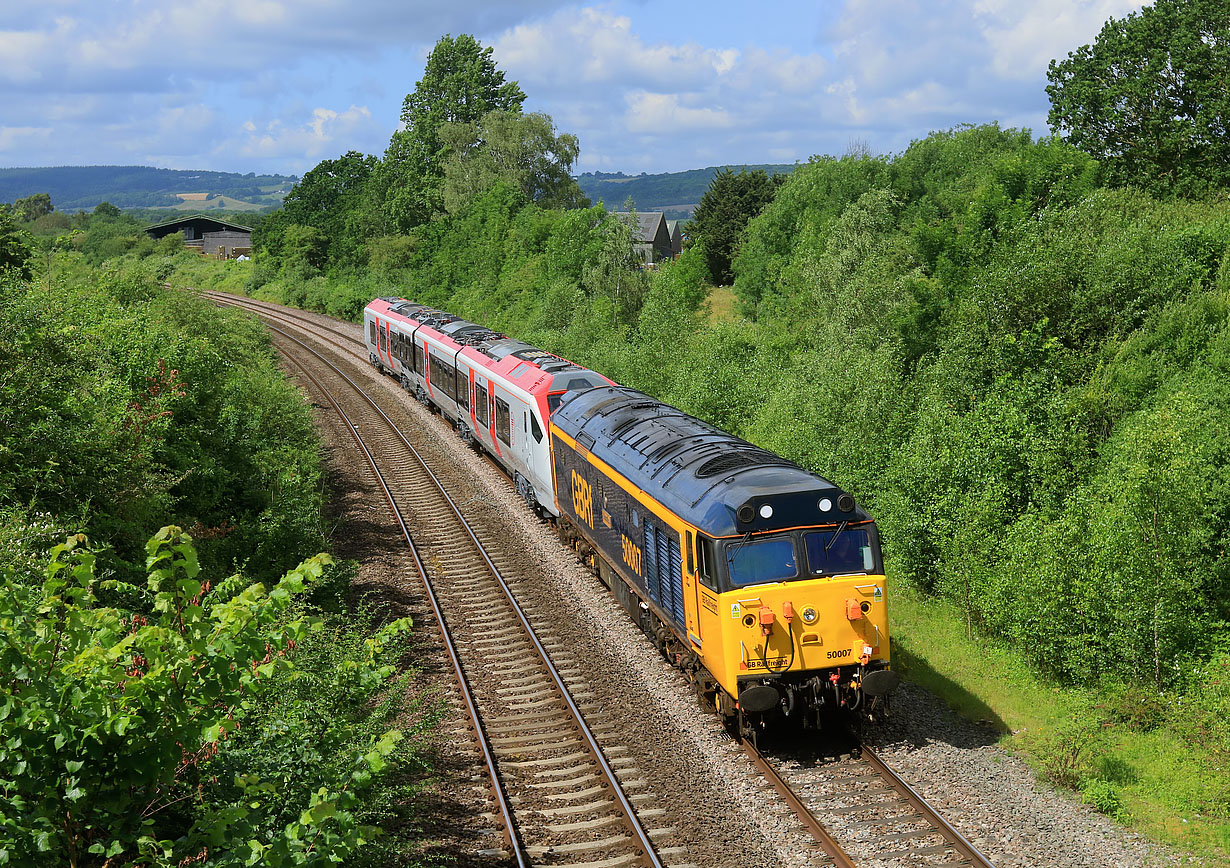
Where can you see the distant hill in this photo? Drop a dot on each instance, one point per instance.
(75, 188)
(676, 193)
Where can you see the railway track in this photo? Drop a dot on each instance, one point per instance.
(558, 796)
(860, 800)
(539, 745)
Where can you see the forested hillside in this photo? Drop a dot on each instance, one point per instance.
(676, 193)
(75, 188)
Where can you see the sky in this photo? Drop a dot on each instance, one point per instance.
(273, 86)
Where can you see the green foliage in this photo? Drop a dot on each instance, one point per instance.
(117, 723)
(1149, 97)
(317, 225)
(519, 150)
(33, 207)
(15, 252)
(128, 403)
(460, 85)
(723, 213)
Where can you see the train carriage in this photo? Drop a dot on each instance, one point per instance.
(495, 390)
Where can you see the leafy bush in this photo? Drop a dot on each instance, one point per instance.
(128, 402)
(117, 725)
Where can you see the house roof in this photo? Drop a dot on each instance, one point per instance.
(204, 222)
(647, 222)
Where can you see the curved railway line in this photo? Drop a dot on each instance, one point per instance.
(560, 787)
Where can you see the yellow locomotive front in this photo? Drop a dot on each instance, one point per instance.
(796, 622)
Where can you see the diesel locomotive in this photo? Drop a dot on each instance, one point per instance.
(761, 581)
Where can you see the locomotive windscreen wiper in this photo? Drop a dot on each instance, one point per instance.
(836, 534)
(734, 550)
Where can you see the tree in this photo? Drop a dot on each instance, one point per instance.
(723, 213)
(107, 210)
(459, 85)
(15, 252)
(1150, 96)
(616, 272)
(326, 198)
(520, 150)
(32, 207)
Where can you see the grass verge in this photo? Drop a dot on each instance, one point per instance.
(1123, 750)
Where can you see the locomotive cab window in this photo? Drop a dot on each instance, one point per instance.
(707, 562)
(755, 563)
(832, 552)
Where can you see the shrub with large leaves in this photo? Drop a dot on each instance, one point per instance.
(113, 717)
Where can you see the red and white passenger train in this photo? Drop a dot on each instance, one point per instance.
(497, 391)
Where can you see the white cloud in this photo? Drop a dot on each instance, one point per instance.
(1026, 37)
(14, 138)
(660, 113)
(322, 135)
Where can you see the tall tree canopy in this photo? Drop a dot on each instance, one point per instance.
(520, 150)
(459, 85)
(723, 213)
(32, 207)
(1151, 97)
(328, 199)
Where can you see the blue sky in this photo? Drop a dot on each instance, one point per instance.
(277, 86)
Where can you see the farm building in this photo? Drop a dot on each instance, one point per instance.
(653, 239)
(209, 235)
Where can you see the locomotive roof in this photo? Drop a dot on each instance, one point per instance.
(699, 472)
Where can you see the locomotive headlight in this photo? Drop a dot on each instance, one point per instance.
(825, 504)
(766, 511)
(809, 615)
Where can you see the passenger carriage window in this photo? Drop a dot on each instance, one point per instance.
(463, 388)
(372, 330)
(535, 429)
(480, 404)
(418, 359)
(381, 339)
(503, 421)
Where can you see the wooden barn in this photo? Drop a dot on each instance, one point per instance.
(209, 235)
